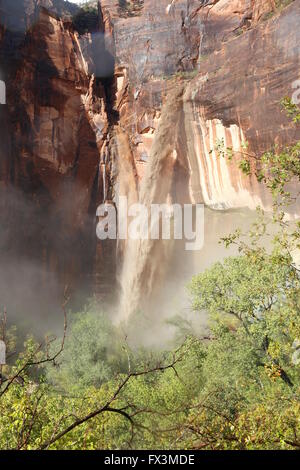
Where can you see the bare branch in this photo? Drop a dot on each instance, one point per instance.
(107, 407)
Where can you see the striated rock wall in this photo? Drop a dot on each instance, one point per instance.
(55, 126)
(237, 59)
(237, 97)
(84, 116)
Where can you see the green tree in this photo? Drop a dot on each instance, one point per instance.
(251, 393)
(94, 351)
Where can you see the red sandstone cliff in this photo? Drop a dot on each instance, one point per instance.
(238, 59)
(55, 124)
(73, 134)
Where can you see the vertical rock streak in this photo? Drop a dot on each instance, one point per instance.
(145, 261)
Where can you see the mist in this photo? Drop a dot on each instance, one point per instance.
(40, 259)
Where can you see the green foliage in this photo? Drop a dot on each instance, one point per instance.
(87, 19)
(130, 8)
(32, 412)
(93, 352)
(182, 75)
(236, 388)
(291, 109)
(250, 379)
(239, 32)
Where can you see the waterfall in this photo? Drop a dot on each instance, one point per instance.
(145, 261)
(183, 154)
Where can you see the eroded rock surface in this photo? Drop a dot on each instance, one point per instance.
(84, 114)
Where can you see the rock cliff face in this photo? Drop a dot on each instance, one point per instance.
(238, 59)
(84, 117)
(52, 131)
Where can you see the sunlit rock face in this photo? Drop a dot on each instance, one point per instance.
(214, 180)
(84, 116)
(236, 96)
(242, 59)
(237, 59)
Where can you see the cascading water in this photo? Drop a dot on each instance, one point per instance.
(206, 178)
(182, 155)
(146, 260)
